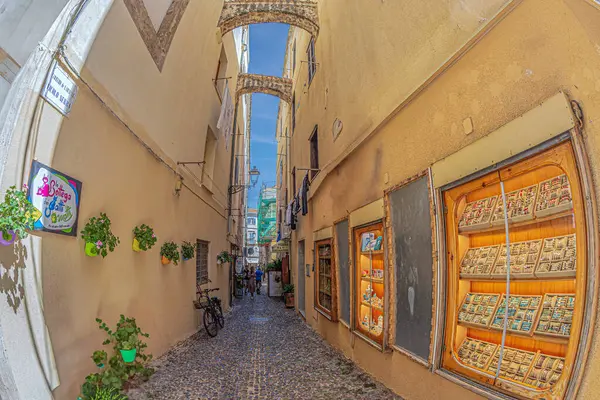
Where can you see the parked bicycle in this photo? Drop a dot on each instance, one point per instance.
(213, 312)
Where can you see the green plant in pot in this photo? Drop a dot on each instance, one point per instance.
(288, 294)
(122, 369)
(17, 216)
(100, 357)
(188, 250)
(224, 257)
(169, 253)
(143, 238)
(98, 236)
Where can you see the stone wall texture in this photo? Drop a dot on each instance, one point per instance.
(273, 85)
(300, 13)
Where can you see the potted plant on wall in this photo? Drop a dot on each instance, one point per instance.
(187, 250)
(143, 238)
(98, 236)
(288, 294)
(170, 253)
(99, 358)
(17, 215)
(126, 363)
(224, 257)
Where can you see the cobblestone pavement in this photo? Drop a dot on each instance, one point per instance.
(265, 351)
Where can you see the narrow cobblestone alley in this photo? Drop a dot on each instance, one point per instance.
(264, 352)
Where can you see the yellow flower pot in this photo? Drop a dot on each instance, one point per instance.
(136, 245)
(165, 260)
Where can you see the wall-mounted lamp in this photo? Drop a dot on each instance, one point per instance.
(178, 186)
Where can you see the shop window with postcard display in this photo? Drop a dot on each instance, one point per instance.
(546, 262)
(369, 292)
(326, 299)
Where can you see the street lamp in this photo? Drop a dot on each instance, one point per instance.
(254, 174)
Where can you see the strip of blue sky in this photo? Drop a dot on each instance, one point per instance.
(267, 51)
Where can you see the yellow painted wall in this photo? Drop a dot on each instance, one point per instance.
(170, 112)
(540, 48)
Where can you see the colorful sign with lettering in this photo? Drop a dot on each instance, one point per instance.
(56, 196)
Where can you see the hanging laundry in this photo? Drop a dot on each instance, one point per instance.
(288, 213)
(304, 194)
(225, 122)
(296, 209)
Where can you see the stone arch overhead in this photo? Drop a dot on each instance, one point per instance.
(273, 85)
(300, 13)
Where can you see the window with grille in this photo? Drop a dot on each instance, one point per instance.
(201, 262)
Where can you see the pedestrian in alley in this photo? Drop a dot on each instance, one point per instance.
(246, 277)
(252, 282)
(259, 275)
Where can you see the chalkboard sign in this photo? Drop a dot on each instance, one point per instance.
(343, 252)
(413, 266)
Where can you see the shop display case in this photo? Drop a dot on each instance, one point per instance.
(369, 292)
(325, 293)
(546, 233)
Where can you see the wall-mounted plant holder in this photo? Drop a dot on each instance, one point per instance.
(91, 250)
(169, 252)
(7, 238)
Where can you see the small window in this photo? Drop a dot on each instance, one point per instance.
(201, 262)
(314, 153)
(293, 182)
(210, 154)
(237, 174)
(294, 58)
(293, 113)
(312, 65)
(325, 293)
(220, 81)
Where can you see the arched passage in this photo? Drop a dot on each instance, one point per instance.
(300, 13)
(273, 85)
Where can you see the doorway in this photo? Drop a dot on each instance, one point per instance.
(301, 290)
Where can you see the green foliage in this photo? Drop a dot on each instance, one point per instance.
(224, 257)
(16, 213)
(171, 251)
(98, 232)
(188, 250)
(274, 266)
(289, 288)
(99, 357)
(110, 380)
(145, 236)
(104, 393)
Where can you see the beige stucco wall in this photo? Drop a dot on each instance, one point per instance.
(168, 112)
(540, 48)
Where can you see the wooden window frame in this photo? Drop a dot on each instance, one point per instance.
(294, 58)
(216, 81)
(377, 341)
(312, 60)
(519, 165)
(331, 314)
(314, 152)
(293, 113)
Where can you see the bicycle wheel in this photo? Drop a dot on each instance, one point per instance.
(210, 322)
(219, 313)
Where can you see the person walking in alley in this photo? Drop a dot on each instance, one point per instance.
(259, 275)
(252, 282)
(246, 277)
